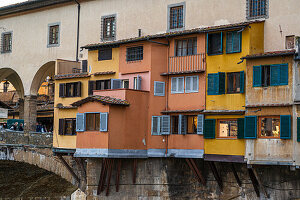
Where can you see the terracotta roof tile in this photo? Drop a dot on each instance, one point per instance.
(4, 105)
(102, 99)
(104, 73)
(271, 54)
(75, 75)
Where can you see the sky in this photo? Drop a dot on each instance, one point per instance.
(8, 2)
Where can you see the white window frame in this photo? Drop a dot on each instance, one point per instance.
(177, 84)
(192, 90)
(155, 88)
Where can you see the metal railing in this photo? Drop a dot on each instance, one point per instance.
(187, 63)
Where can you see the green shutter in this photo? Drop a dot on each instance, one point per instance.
(209, 128)
(241, 128)
(229, 42)
(221, 83)
(275, 75)
(256, 76)
(242, 82)
(250, 127)
(211, 78)
(298, 129)
(285, 126)
(284, 74)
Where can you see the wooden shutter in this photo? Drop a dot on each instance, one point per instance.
(211, 84)
(241, 128)
(200, 123)
(298, 129)
(61, 127)
(92, 86)
(209, 128)
(80, 122)
(221, 83)
(116, 83)
(78, 89)
(250, 127)
(155, 125)
(182, 124)
(285, 126)
(62, 87)
(84, 65)
(242, 82)
(159, 88)
(165, 125)
(275, 74)
(257, 76)
(236, 42)
(103, 122)
(284, 74)
(188, 84)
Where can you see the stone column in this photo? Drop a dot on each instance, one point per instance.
(21, 108)
(30, 113)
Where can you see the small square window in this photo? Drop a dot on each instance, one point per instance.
(257, 8)
(6, 45)
(214, 44)
(125, 83)
(105, 54)
(233, 82)
(177, 85)
(53, 35)
(176, 16)
(108, 28)
(227, 128)
(269, 127)
(134, 53)
(92, 121)
(233, 42)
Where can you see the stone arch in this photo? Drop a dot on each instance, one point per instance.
(48, 69)
(13, 77)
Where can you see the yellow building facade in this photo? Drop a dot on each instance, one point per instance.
(225, 88)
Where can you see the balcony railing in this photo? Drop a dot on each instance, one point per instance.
(188, 63)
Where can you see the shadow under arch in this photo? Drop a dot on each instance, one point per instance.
(13, 77)
(48, 69)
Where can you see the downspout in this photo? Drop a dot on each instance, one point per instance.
(78, 23)
(167, 95)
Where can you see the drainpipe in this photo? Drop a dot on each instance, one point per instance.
(78, 22)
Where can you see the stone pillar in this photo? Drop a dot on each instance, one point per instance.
(30, 113)
(21, 108)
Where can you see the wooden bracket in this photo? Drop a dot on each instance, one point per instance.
(236, 175)
(110, 166)
(216, 174)
(254, 181)
(195, 170)
(134, 171)
(102, 178)
(118, 174)
(69, 168)
(260, 183)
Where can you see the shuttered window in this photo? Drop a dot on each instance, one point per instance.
(67, 126)
(177, 85)
(227, 128)
(80, 122)
(159, 88)
(191, 84)
(105, 54)
(200, 124)
(214, 43)
(103, 122)
(270, 75)
(165, 124)
(155, 125)
(92, 121)
(62, 87)
(161, 125)
(285, 126)
(235, 82)
(250, 127)
(182, 126)
(209, 128)
(70, 89)
(61, 126)
(116, 83)
(241, 128)
(216, 83)
(233, 42)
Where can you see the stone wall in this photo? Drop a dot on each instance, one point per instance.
(172, 179)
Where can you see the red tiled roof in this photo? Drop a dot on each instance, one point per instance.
(268, 105)
(75, 75)
(271, 54)
(102, 99)
(104, 73)
(171, 34)
(182, 72)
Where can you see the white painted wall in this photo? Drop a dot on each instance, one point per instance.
(30, 50)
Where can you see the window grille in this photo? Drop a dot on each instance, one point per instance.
(176, 17)
(134, 53)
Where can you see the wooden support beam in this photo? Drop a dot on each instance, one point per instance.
(134, 170)
(216, 174)
(79, 162)
(192, 167)
(260, 183)
(236, 175)
(118, 174)
(110, 166)
(198, 171)
(69, 168)
(254, 181)
(102, 177)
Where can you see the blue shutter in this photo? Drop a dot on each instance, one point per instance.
(250, 127)
(229, 42)
(285, 126)
(284, 74)
(159, 88)
(155, 125)
(241, 128)
(256, 76)
(182, 124)
(209, 128)
(165, 125)
(242, 82)
(210, 84)
(200, 123)
(103, 122)
(275, 75)
(221, 77)
(80, 122)
(221, 47)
